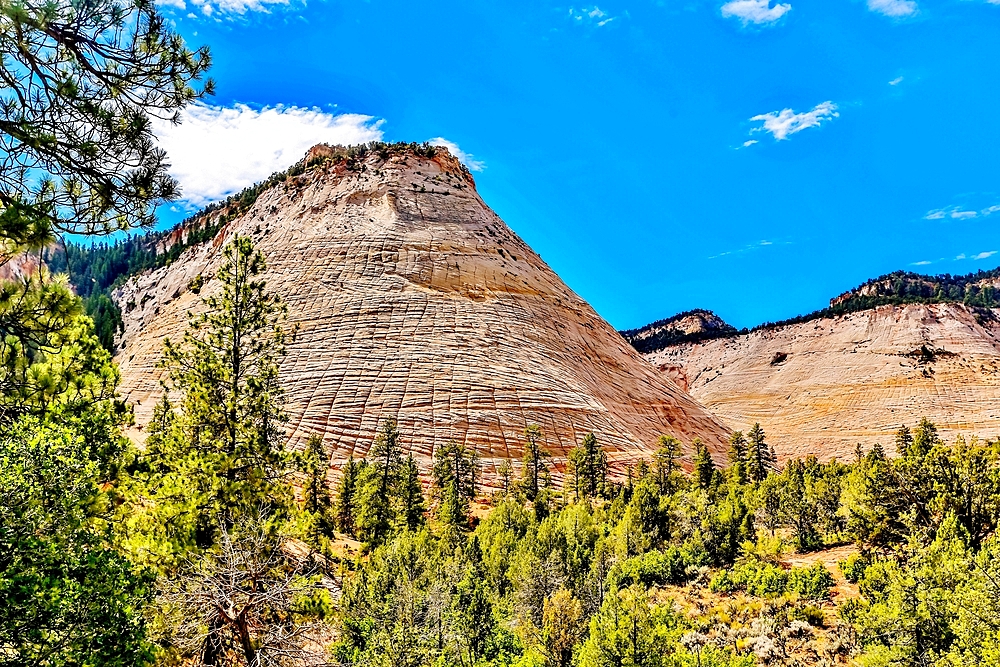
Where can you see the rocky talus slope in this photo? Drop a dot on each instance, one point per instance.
(415, 301)
(822, 386)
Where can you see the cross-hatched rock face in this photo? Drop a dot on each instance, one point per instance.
(820, 387)
(415, 301)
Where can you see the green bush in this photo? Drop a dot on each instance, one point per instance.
(654, 568)
(812, 582)
(812, 615)
(762, 579)
(854, 567)
(754, 577)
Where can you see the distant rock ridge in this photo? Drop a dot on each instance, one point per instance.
(689, 326)
(824, 385)
(415, 301)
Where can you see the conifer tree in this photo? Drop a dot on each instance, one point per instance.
(226, 366)
(738, 456)
(316, 491)
(223, 455)
(506, 474)
(589, 465)
(409, 496)
(376, 512)
(346, 501)
(455, 471)
(577, 465)
(924, 439)
(81, 82)
(704, 467)
(533, 461)
(665, 462)
(904, 440)
(761, 460)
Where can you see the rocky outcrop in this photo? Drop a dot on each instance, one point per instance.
(415, 301)
(689, 326)
(822, 386)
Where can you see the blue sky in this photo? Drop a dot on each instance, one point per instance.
(749, 157)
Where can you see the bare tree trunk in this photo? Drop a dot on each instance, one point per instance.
(213, 652)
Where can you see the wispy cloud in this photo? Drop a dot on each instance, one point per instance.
(784, 123)
(960, 213)
(758, 12)
(222, 8)
(923, 262)
(898, 80)
(893, 8)
(593, 16)
(747, 248)
(217, 151)
(468, 159)
(986, 254)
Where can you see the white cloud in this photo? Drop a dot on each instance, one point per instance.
(990, 210)
(468, 159)
(223, 7)
(893, 8)
(898, 80)
(593, 16)
(755, 11)
(984, 255)
(960, 256)
(923, 262)
(953, 212)
(783, 123)
(217, 151)
(750, 142)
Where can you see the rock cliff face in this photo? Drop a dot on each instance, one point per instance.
(819, 387)
(415, 301)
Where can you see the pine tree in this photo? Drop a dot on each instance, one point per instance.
(924, 439)
(589, 465)
(81, 81)
(316, 491)
(226, 365)
(704, 467)
(904, 440)
(665, 463)
(760, 462)
(738, 456)
(346, 502)
(223, 455)
(409, 496)
(533, 461)
(506, 474)
(455, 471)
(376, 512)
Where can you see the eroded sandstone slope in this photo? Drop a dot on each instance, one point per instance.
(415, 301)
(820, 387)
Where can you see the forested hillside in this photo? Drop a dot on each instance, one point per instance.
(216, 545)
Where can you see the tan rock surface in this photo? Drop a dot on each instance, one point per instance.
(849, 379)
(415, 301)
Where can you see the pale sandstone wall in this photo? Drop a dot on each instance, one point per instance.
(426, 307)
(849, 379)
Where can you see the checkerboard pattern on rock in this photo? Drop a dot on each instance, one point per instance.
(413, 300)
